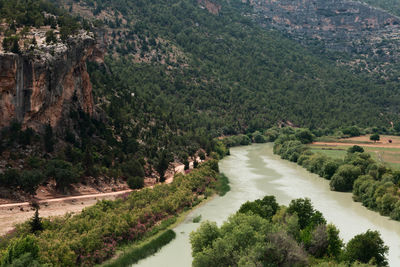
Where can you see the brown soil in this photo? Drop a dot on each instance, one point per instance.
(364, 141)
(13, 213)
(55, 204)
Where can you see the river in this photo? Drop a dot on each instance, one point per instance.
(254, 171)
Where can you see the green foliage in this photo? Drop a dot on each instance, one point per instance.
(265, 208)
(240, 239)
(335, 244)
(304, 136)
(375, 137)
(143, 251)
(23, 247)
(236, 140)
(366, 247)
(92, 236)
(51, 37)
(305, 212)
(10, 44)
(29, 180)
(163, 160)
(247, 239)
(372, 184)
(36, 222)
(63, 172)
(222, 184)
(135, 182)
(132, 168)
(355, 149)
(329, 168)
(352, 131)
(204, 237)
(197, 219)
(344, 178)
(259, 138)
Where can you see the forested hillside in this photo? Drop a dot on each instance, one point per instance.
(237, 75)
(176, 74)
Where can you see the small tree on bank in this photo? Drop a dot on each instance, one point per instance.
(375, 137)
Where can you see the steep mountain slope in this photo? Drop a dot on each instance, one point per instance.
(230, 64)
(176, 74)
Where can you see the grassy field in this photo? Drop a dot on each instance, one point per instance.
(383, 151)
(330, 152)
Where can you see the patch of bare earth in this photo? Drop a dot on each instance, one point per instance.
(364, 141)
(56, 204)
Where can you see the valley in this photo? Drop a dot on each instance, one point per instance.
(119, 117)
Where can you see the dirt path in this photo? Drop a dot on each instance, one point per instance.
(377, 144)
(11, 214)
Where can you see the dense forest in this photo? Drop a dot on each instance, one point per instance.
(177, 75)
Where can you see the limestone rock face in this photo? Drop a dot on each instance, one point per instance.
(41, 86)
(341, 25)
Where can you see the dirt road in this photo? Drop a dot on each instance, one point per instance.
(11, 214)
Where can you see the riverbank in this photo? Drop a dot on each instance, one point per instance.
(93, 236)
(126, 255)
(14, 213)
(253, 172)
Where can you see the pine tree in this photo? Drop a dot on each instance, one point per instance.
(36, 222)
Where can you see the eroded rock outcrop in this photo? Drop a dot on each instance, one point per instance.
(41, 86)
(341, 25)
(211, 6)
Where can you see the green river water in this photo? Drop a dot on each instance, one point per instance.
(254, 171)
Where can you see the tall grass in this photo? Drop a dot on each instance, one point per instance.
(143, 251)
(222, 186)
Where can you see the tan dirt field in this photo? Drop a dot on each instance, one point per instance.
(364, 141)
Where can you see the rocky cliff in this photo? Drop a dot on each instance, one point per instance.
(340, 25)
(41, 86)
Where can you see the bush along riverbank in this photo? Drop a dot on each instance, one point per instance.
(94, 235)
(262, 233)
(371, 183)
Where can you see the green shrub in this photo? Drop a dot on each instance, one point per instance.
(19, 248)
(222, 185)
(265, 208)
(135, 182)
(132, 168)
(344, 178)
(366, 247)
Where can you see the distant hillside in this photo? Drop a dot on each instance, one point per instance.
(233, 75)
(369, 36)
(392, 6)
